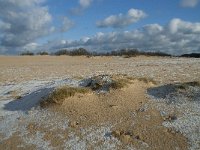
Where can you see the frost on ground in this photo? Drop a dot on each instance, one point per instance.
(32, 124)
(33, 128)
(182, 101)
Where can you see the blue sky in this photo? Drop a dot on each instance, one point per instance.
(171, 26)
(159, 11)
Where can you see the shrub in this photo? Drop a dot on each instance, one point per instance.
(126, 53)
(27, 53)
(43, 53)
(62, 52)
(195, 55)
(79, 52)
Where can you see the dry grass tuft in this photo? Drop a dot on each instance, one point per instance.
(185, 86)
(15, 94)
(60, 94)
(147, 80)
(119, 83)
(18, 97)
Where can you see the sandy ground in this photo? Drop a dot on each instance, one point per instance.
(142, 115)
(16, 69)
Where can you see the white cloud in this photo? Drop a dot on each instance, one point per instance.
(4, 26)
(30, 47)
(177, 37)
(189, 3)
(83, 4)
(179, 26)
(120, 20)
(66, 24)
(23, 21)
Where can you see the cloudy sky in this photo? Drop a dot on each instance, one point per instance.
(171, 26)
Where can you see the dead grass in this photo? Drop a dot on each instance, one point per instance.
(14, 94)
(60, 94)
(147, 80)
(120, 83)
(184, 86)
(18, 97)
(122, 80)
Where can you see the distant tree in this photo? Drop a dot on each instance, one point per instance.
(27, 53)
(62, 52)
(194, 55)
(126, 53)
(43, 53)
(79, 52)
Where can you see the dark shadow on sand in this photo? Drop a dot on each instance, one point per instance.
(161, 91)
(28, 101)
(190, 90)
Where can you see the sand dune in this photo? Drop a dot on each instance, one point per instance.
(141, 115)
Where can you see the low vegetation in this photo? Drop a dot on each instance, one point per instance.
(126, 53)
(194, 55)
(147, 80)
(60, 94)
(186, 85)
(43, 53)
(119, 83)
(27, 53)
(123, 78)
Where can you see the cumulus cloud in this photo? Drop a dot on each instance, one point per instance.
(120, 20)
(83, 4)
(66, 24)
(179, 26)
(29, 47)
(189, 3)
(177, 37)
(22, 22)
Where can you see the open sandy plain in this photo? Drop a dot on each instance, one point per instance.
(158, 109)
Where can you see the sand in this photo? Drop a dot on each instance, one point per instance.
(163, 69)
(126, 118)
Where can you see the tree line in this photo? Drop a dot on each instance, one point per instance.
(83, 52)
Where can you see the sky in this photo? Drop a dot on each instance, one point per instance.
(170, 26)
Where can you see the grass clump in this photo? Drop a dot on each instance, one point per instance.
(147, 80)
(60, 94)
(184, 86)
(120, 83)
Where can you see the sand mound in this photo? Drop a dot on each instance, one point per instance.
(133, 123)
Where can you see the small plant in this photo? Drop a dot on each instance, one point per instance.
(59, 95)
